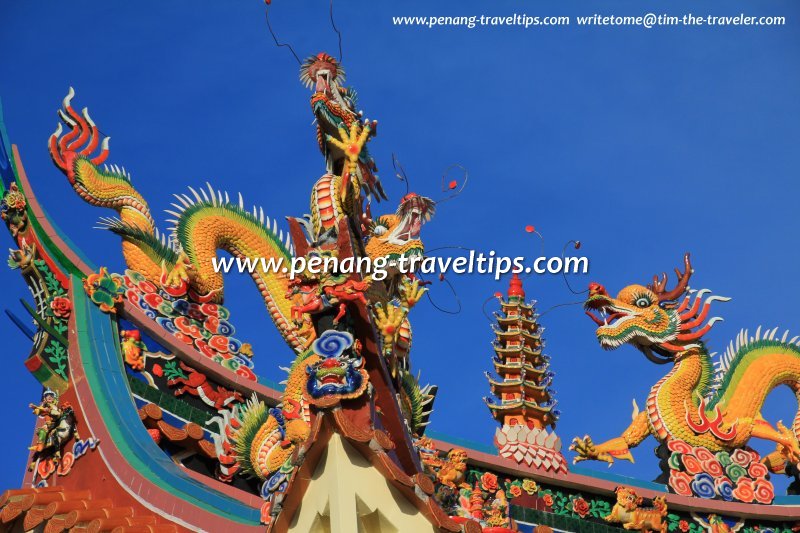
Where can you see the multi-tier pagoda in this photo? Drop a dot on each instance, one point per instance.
(523, 401)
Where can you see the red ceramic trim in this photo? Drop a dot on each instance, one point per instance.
(140, 488)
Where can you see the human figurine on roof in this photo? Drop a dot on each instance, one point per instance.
(47, 409)
(59, 426)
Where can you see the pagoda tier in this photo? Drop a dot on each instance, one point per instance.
(522, 400)
(520, 388)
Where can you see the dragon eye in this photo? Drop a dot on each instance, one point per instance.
(643, 301)
(379, 227)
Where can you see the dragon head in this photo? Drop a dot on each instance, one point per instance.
(335, 110)
(397, 235)
(322, 72)
(339, 373)
(651, 318)
(341, 377)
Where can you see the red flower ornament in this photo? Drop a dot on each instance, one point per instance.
(580, 507)
(61, 307)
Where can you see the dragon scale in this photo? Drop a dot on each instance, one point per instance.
(208, 225)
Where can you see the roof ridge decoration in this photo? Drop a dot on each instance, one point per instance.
(329, 319)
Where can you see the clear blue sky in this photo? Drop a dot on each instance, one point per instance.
(641, 143)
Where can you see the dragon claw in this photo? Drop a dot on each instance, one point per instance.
(412, 292)
(586, 450)
(178, 275)
(352, 142)
(388, 319)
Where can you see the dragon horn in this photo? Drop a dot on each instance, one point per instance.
(659, 286)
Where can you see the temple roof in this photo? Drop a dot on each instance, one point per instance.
(57, 509)
(503, 383)
(513, 320)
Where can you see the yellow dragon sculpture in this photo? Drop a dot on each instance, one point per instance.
(717, 409)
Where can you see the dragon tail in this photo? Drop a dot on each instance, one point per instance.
(108, 187)
(417, 402)
(253, 416)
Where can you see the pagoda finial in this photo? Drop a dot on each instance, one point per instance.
(515, 287)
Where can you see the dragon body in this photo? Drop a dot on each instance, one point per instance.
(703, 402)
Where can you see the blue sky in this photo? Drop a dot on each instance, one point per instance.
(643, 144)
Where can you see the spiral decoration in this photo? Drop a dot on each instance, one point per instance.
(274, 486)
(691, 464)
(735, 471)
(764, 491)
(332, 343)
(742, 457)
(273, 483)
(675, 462)
(724, 458)
(744, 490)
(703, 486)
(738, 475)
(65, 465)
(703, 454)
(680, 482)
(757, 470)
(225, 328)
(724, 488)
(713, 467)
(45, 467)
(215, 310)
(150, 314)
(679, 446)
